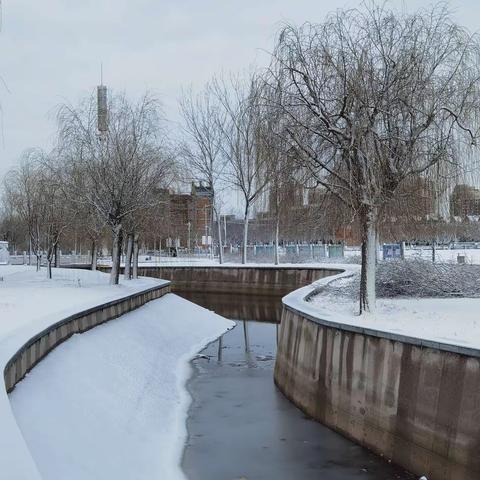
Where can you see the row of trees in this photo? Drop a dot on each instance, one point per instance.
(105, 181)
(359, 105)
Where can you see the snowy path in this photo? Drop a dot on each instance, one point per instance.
(111, 403)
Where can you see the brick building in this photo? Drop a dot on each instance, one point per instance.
(464, 201)
(188, 217)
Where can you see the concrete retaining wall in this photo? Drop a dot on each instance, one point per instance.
(42, 343)
(415, 403)
(257, 280)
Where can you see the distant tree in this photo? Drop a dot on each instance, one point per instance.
(276, 152)
(36, 196)
(56, 212)
(201, 151)
(242, 143)
(24, 196)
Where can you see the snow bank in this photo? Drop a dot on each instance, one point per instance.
(111, 403)
(442, 322)
(29, 303)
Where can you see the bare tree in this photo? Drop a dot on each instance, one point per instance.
(370, 98)
(115, 172)
(37, 197)
(276, 152)
(23, 194)
(242, 145)
(204, 118)
(56, 213)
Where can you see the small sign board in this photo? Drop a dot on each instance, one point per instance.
(391, 251)
(336, 251)
(206, 240)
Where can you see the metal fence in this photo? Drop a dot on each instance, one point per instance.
(25, 259)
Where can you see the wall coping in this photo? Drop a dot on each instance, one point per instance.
(297, 302)
(81, 314)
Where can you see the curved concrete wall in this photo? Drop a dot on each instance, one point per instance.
(233, 279)
(413, 401)
(45, 341)
(15, 459)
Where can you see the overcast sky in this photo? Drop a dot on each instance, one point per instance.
(51, 50)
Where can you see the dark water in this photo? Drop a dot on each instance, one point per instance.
(261, 308)
(241, 427)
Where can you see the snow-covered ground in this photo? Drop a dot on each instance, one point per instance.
(352, 254)
(31, 302)
(444, 320)
(472, 255)
(111, 403)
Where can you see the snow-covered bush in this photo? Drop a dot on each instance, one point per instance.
(422, 278)
(416, 278)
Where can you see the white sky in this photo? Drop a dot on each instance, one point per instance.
(50, 50)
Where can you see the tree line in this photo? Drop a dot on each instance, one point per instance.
(101, 181)
(358, 106)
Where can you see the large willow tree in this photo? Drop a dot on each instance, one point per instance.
(370, 98)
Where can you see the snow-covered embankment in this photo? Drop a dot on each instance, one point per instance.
(112, 403)
(29, 304)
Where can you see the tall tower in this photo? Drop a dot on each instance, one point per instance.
(102, 119)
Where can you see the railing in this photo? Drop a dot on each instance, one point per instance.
(25, 259)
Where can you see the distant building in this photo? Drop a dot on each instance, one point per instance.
(464, 201)
(202, 197)
(188, 216)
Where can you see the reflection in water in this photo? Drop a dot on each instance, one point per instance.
(261, 308)
(245, 335)
(241, 426)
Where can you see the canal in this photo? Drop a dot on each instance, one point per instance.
(240, 425)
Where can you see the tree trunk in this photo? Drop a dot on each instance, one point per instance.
(50, 251)
(277, 234)
(93, 266)
(245, 240)
(135, 255)
(57, 256)
(368, 274)
(116, 254)
(245, 235)
(128, 258)
(220, 246)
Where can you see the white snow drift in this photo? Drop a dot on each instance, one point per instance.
(112, 403)
(116, 388)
